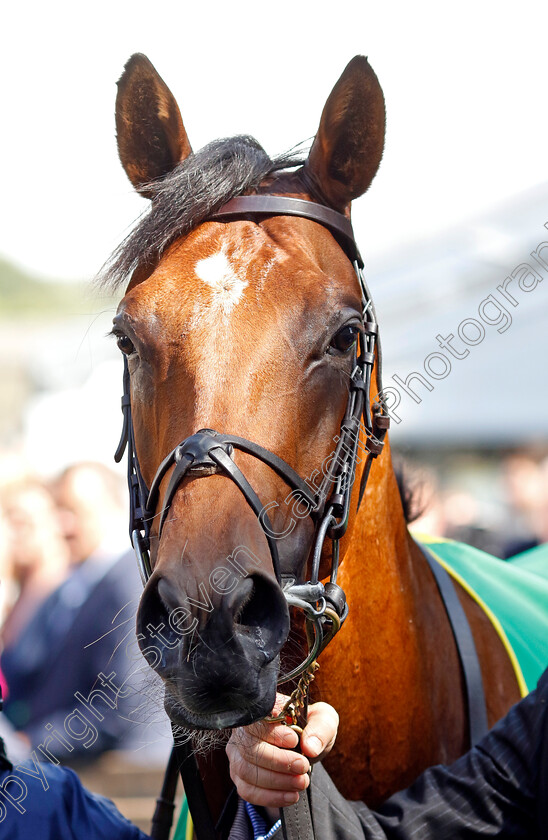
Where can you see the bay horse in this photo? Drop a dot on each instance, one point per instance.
(250, 324)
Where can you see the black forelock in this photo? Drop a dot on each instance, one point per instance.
(187, 196)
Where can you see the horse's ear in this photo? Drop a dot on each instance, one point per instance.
(151, 136)
(348, 147)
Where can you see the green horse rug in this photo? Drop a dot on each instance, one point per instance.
(514, 595)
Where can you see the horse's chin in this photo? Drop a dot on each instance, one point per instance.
(223, 712)
(214, 720)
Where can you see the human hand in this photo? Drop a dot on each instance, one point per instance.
(263, 764)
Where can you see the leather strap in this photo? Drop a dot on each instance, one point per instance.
(297, 820)
(198, 805)
(165, 804)
(276, 463)
(220, 457)
(281, 205)
(477, 710)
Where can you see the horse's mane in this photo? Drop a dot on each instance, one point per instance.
(185, 197)
(411, 487)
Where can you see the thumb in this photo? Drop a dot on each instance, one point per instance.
(320, 731)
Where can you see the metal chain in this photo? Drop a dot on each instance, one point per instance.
(295, 705)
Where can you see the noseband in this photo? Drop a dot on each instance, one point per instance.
(209, 452)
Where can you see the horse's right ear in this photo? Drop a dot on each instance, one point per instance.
(151, 136)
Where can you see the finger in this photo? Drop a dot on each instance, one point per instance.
(243, 773)
(276, 734)
(261, 787)
(260, 754)
(279, 735)
(267, 798)
(320, 731)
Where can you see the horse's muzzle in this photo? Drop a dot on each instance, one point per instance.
(218, 655)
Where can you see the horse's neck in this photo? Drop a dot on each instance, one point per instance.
(384, 673)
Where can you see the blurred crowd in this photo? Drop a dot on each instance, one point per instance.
(73, 680)
(510, 518)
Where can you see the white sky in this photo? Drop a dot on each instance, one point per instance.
(465, 86)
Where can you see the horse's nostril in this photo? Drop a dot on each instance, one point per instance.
(261, 613)
(244, 595)
(152, 608)
(160, 629)
(168, 595)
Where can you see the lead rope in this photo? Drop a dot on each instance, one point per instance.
(296, 820)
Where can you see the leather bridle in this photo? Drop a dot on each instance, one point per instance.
(208, 452)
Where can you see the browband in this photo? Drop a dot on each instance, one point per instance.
(281, 205)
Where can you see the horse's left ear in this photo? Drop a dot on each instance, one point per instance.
(151, 136)
(348, 147)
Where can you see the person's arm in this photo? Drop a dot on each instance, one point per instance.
(48, 802)
(491, 791)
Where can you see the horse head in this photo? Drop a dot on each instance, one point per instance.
(241, 332)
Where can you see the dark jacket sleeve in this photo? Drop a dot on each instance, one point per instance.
(45, 802)
(492, 791)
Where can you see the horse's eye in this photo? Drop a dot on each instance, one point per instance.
(125, 344)
(345, 339)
